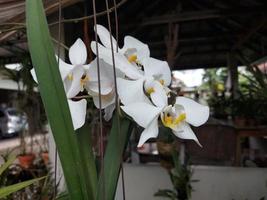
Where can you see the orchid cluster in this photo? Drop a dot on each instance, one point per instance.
(142, 84)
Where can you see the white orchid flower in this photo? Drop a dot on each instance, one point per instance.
(107, 81)
(177, 117)
(78, 76)
(127, 58)
(77, 108)
(134, 60)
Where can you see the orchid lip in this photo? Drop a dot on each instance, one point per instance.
(171, 121)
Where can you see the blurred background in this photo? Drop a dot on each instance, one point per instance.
(217, 52)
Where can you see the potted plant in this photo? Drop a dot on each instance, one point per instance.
(25, 159)
(181, 178)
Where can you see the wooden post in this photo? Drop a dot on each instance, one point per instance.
(232, 81)
(171, 42)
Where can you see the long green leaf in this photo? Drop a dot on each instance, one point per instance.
(86, 152)
(16, 187)
(7, 164)
(63, 196)
(54, 99)
(116, 145)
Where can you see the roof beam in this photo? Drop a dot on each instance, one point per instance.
(250, 32)
(50, 8)
(203, 15)
(225, 26)
(218, 39)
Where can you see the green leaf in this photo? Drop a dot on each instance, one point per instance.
(63, 196)
(117, 142)
(166, 193)
(16, 187)
(7, 164)
(87, 156)
(55, 102)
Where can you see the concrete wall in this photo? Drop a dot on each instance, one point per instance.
(215, 183)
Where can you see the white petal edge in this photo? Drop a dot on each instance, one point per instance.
(142, 48)
(155, 67)
(186, 133)
(109, 111)
(75, 85)
(78, 53)
(78, 112)
(196, 114)
(142, 113)
(106, 77)
(159, 96)
(121, 61)
(106, 87)
(64, 69)
(106, 100)
(151, 131)
(104, 36)
(131, 91)
(33, 73)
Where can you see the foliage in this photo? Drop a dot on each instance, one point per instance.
(214, 80)
(76, 155)
(250, 99)
(181, 177)
(7, 190)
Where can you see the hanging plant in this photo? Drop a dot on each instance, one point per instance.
(127, 75)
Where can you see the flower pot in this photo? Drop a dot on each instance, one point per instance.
(26, 160)
(45, 157)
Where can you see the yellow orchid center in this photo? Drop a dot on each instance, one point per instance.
(171, 122)
(150, 90)
(161, 81)
(84, 80)
(132, 58)
(180, 118)
(70, 77)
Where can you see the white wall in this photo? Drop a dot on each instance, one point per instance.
(215, 183)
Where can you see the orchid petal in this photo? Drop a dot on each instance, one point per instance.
(131, 91)
(157, 68)
(142, 113)
(73, 86)
(151, 131)
(106, 87)
(196, 114)
(64, 68)
(142, 49)
(106, 100)
(33, 73)
(106, 71)
(104, 36)
(78, 112)
(109, 111)
(121, 61)
(106, 77)
(78, 53)
(159, 96)
(186, 132)
(86, 67)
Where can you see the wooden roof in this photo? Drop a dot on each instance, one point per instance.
(198, 33)
(13, 41)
